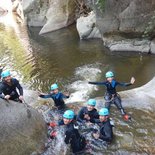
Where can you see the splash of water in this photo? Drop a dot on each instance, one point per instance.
(81, 88)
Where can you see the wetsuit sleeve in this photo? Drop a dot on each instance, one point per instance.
(96, 121)
(68, 137)
(95, 117)
(123, 84)
(19, 88)
(64, 96)
(107, 134)
(1, 92)
(98, 83)
(45, 96)
(60, 122)
(80, 116)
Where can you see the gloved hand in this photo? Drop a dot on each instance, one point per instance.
(53, 134)
(52, 124)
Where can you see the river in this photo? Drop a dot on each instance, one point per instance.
(38, 61)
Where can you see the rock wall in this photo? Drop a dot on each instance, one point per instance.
(22, 132)
(52, 15)
(122, 24)
(125, 16)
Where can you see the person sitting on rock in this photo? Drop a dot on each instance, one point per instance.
(56, 96)
(111, 96)
(72, 135)
(106, 131)
(8, 87)
(89, 113)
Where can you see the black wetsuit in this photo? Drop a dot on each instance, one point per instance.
(73, 137)
(106, 132)
(57, 98)
(6, 89)
(92, 114)
(111, 95)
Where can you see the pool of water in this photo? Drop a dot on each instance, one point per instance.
(38, 61)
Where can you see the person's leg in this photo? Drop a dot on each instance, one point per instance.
(117, 102)
(108, 102)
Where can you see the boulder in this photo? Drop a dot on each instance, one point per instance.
(140, 98)
(152, 46)
(125, 16)
(129, 45)
(22, 129)
(60, 14)
(51, 15)
(86, 27)
(35, 12)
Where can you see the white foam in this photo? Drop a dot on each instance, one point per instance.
(81, 87)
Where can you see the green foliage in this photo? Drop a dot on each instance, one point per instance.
(101, 5)
(149, 28)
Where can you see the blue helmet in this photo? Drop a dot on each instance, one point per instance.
(5, 74)
(54, 86)
(69, 114)
(109, 74)
(104, 112)
(91, 102)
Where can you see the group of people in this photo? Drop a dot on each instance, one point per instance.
(8, 91)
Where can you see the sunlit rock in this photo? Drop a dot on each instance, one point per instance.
(86, 27)
(52, 15)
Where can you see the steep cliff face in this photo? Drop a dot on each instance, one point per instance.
(122, 24)
(52, 15)
(125, 16)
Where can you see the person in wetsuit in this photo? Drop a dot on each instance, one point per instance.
(106, 131)
(89, 113)
(111, 95)
(9, 86)
(56, 96)
(72, 135)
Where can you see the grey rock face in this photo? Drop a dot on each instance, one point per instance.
(20, 133)
(130, 45)
(86, 27)
(52, 15)
(126, 16)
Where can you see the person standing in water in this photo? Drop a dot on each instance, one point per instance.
(88, 113)
(72, 135)
(111, 95)
(105, 132)
(56, 96)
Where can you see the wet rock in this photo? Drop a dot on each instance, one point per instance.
(126, 140)
(130, 45)
(142, 131)
(86, 27)
(140, 98)
(19, 133)
(152, 46)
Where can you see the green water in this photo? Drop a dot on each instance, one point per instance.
(56, 56)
